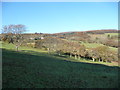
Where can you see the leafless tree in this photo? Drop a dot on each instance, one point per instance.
(16, 33)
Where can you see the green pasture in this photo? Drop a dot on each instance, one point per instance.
(35, 68)
(94, 45)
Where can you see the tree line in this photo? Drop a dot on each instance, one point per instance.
(101, 53)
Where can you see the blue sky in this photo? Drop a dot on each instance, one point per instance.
(54, 17)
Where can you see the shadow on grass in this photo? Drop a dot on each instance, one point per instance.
(40, 70)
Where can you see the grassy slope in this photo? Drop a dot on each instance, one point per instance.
(12, 47)
(94, 45)
(104, 35)
(27, 70)
(112, 34)
(39, 70)
(30, 50)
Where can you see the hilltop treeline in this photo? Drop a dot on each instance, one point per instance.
(91, 32)
(101, 31)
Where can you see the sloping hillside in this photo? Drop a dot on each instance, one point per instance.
(29, 69)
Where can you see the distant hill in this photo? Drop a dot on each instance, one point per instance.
(102, 31)
(90, 32)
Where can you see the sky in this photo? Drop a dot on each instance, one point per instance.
(55, 17)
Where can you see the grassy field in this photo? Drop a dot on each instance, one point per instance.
(104, 35)
(32, 68)
(112, 34)
(94, 45)
(12, 47)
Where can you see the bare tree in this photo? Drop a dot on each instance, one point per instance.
(16, 33)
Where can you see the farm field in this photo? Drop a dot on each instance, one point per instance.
(94, 45)
(112, 34)
(28, 68)
(105, 34)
